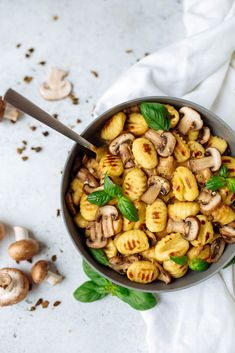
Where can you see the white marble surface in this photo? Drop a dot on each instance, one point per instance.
(87, 36)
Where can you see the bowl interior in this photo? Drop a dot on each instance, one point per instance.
(218, 127)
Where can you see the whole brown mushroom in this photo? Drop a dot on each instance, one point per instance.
(24, 248)
(40, 272)
(8, 112)
(14, 286)
(164, 142)
(191, 120)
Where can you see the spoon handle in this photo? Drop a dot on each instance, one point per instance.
(23, 104)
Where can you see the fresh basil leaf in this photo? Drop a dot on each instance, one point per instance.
(127, 208)
(179, 260)
(156, 115)
(215, 183)
(198, 264)
(231, 184)
(137, 300)
(99, 256)
(110, 188)
(231, 262)
(89, 292)
(99, 198)
(92, 274)
(223, 172)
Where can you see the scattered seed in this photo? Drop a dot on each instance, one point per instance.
(25, 158)
(18, 45)
(79, 121)
(57, 303)
(42, 63)
(28, 79)
(95, 73)
(45, 133)
(39, 302)
(58, 212)
(27, 55)
(45, 304)
(55, 18)
(31, 50)
(32, 308)
(55, 116)
(33, 128)
(73, 98)
(129, 51)
(24, 142)
(36, 149)
(20, 150)
(54, 258)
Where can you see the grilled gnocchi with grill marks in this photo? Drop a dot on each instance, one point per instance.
(159, 168)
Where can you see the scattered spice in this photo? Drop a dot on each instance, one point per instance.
(73, 98)
(95, 73)
(129, 51)
(55, 115)
(28, 79)
(55, 18)
(24, 142)
(31, 50)
(36, 149)
(79, 121)
(39, 302)
(27, 55)
(32, 308)
(58, 212)
(61, 250)
(146, 54)
(33, 128)
(25, 158)
(57, 303)
(42, 63)
(53, 258)
(45, 133)
(18, 45)
(20, 150)
(45, 304)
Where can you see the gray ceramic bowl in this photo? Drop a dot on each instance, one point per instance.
(91, 133)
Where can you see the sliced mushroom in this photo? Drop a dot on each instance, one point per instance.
(96, 239)
(228, 233)
(121, 263)
(90, 182)
(208, 201)
(24, 248)
(40, 272)
(69, 203)
(189, 228)
(14, 286)
(107, 215)
(166, 167)
(56, 87)
(204, 135)
(191, 120)
(122, 145)
(156, 185)
(163, 276)
(212, 160)
(8, 112)
(2, 231)
(164, 142)
(217, 249)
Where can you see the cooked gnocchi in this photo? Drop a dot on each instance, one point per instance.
(150, 200)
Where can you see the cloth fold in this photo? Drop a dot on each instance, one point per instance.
(200, 68)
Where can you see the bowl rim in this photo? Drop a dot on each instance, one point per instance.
(108, 113)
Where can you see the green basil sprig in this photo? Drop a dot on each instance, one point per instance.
(111, 190)
(179, 260)
(98, 287)
(156, 115)
(99, 256)
(219, 181)
(198, 264)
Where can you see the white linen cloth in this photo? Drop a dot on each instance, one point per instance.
(199, 68)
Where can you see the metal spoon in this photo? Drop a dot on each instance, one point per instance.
(23, 104)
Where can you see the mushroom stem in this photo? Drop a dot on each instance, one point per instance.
(53, 278)
(154, 137)
(6, 282)
(107, 225)
(21, 233)
(201, 163)
(125, 153)
(175, 226)
(151, 194)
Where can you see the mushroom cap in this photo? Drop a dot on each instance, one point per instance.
(192, 228)
(190, 121)
(107, 211)
(217, 249)
(39, 271)
(96, 239)
(114, 145)
(163, 276)
(213, 152)
(23, 249)
(86, 177)
(204, 135)
(56, 87)
(168, 144)
(208, 201)
(18, 289)
(163, 182)
(228, 233)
